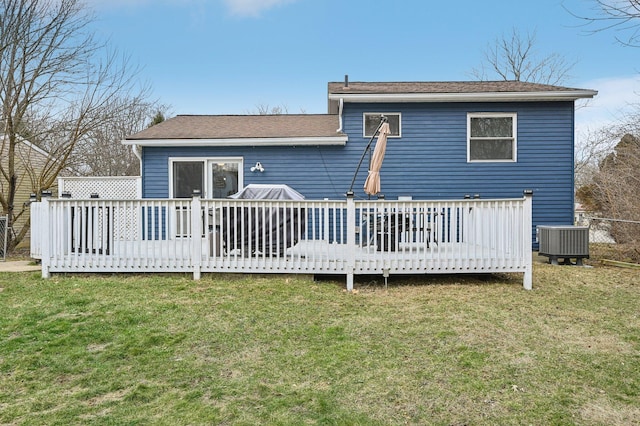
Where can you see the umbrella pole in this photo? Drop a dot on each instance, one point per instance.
(353, 181)
(370, 155)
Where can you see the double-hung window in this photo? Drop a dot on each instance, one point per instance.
(491, 137)
(371, 121)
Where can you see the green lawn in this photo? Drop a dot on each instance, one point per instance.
(241, 349)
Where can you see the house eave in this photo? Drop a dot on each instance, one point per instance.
(302, 141)
(569, 95)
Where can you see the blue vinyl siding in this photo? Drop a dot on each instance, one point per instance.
(429, 161)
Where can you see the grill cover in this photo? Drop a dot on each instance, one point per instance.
(267, 192)
(264, 230)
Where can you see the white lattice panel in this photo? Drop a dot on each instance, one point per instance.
(108, 187)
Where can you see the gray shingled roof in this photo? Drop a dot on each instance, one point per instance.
(243, 126)
(356, 87)
(322, 125)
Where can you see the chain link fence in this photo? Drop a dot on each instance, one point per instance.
(614, 239)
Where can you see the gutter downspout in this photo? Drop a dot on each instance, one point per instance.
(136, 151)
(341, 105)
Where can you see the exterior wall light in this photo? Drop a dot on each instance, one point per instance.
(257, 168)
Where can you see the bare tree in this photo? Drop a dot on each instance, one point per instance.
(594, 146)
(266, 109)
(622, 16)
(57, 84)
(612, 191)
(513, 56)
(101, 153)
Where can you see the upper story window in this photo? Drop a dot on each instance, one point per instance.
(491, 137)
(372, 121)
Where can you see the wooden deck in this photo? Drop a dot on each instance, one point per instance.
(317, 237)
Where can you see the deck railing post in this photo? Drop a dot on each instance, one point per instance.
(351, 239)
(527, 239)
(36, 241)
(44, 230)
(196, 236)
(325, 229)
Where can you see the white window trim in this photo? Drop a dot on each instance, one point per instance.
(207, 178)
(364, 127)
(514, 123)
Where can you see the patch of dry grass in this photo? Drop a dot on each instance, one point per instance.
(241, 349)
(620, 252)
(603, 411)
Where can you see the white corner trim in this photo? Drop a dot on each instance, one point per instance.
(306, 141)
(31, 146)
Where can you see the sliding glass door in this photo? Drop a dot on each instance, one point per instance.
(213, 177)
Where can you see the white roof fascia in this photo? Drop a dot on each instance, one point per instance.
(568, 95)
(308, 141)
(30, 145)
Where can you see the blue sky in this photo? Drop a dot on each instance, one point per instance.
(229, 56)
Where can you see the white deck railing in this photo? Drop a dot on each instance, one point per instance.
(267, 236)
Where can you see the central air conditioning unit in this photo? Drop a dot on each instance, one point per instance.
(563, 242)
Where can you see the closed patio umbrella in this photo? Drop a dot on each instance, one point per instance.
(372, 184)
